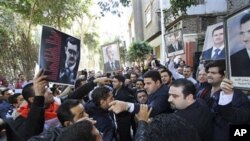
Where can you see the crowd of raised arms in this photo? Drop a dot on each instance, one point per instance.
(154, 102)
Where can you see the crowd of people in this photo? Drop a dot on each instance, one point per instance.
(161, 103)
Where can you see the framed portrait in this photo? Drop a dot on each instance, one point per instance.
(214, 48)
(174, 43)
(237, 27)
(59, 56)
(111, 57)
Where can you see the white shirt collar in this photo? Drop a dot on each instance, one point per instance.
(71, 68)
(248, 52)
(214, 48)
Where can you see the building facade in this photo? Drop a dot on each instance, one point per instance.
(146, 20)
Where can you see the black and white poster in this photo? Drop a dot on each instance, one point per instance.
(59, 56)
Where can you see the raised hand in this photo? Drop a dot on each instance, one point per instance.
(103, 80)
(40, 83)
(144, 113)
(227, 86)
(118, 106)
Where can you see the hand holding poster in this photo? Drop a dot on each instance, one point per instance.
(59, 56)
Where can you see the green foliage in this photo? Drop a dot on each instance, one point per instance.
(123, 51)
(112, 6)
(91, 41)
(56, 13)
(18, 52)
(138, 51)
(181, 5)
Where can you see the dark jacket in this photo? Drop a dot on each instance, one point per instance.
(108, 68)
(206, 55)
(201, 86)
(82, 91)
(204, 92)
(140, 133)
(5, 106)
(68, 76)
(172, 49)
(199, 115)
(158, 101)
(105, 122)
(21, 129)
(235, 112)
(124, 94)
(124, 119)
(240, 63)
(50, 135)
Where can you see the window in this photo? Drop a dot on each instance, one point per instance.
(148, 15)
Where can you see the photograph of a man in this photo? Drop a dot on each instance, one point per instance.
(111, 63)
(175, 44)
(217, 51)
(240, 61)
(68, 70)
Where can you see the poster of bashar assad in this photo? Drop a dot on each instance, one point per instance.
(111, 57)
(59, 56)
(238, 51)
(214, 48)
(174, 43)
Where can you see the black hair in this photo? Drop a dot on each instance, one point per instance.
(64, 113)
(168, 72)
(71, 40)
(139, 91)
(217, 28)
(127, 76)
(81, 131)
(245, 18)
(84, 73)
(108, 75)
(187, 66)
(120, 78)
(13, 98)
(170, 127)
(220, 64)
(154, 75)
(100, 93)
(141, 80)
(28, 92)
(188, 86)
(79, 81)
(162, 67)
(5, 90)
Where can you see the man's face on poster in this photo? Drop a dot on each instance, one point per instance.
(245, 34)
(218, 37)
(110, 53)
(172, 39)
(71, 54)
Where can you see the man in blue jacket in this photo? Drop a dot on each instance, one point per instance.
(157, 97)
(98, 110)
